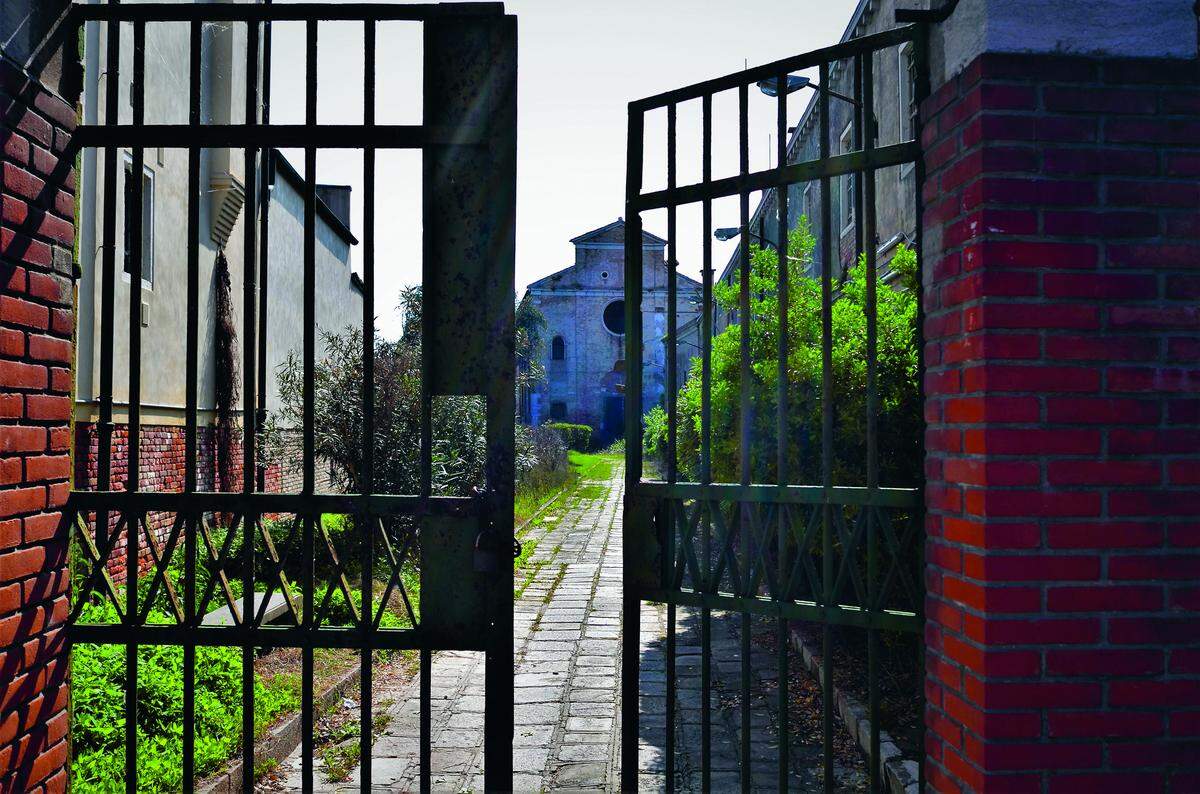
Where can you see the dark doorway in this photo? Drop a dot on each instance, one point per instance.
(614, 418)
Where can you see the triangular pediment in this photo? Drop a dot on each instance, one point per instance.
(615, 233)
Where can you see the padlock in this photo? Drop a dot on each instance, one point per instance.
(485, 555)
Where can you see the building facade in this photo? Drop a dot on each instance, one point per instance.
(224, 208)
(584, 307)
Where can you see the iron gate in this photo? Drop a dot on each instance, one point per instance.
(829, 553)
(468, 142)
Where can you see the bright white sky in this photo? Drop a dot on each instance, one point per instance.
(580, 64)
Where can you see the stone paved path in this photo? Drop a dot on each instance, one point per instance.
(567, 647)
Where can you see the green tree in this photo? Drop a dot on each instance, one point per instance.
(459, 427)
(897, 375)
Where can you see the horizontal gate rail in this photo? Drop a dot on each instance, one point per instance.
(829, 553)
(295, 136)
(837, 165)
(258, 502)
(282, 12)
(263, 636)
(786, 494)
(837, 614)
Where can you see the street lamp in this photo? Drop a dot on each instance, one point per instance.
(795, 82)
(729, 232)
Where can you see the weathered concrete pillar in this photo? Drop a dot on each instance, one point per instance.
(1062, 298)
(37, 324)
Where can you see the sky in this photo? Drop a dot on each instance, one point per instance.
(580, 64)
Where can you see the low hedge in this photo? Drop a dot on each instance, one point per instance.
(576, 437)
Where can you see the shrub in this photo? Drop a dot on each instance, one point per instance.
(576, 437)
(899, 417)
(98, 677)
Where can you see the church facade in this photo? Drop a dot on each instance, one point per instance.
(584, 354)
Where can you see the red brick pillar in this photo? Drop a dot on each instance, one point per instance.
(36, 350)
(1062, 296)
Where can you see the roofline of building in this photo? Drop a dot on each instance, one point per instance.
(657, 241)
(282, 166)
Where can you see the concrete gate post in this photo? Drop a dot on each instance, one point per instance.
(1062, 299)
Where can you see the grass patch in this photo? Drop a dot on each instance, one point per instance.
(98, 731)
(593, 467)
(595, 491)
(533, 495)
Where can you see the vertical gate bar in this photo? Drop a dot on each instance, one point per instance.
(827, 255)
(781, 408)
(426, 720)
(631, 601)
(426, 488)
(108, 276)
(249, 296)
(706, 453)
(365, 532)
(267, 173)
(425, 465)
(870, 251)
(672, 319)
(672, 452)
(744, 411)
(860, 120)
(189, 438)
(133, 518)
(307, 726)
(920, 45)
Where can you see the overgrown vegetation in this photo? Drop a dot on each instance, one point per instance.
(99, 674)
(898, 409)
(98, 680)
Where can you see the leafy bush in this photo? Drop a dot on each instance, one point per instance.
(898, 401)
(98, 678)
(540, 453)
(576, 437)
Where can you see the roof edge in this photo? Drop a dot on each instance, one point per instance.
(289, 172)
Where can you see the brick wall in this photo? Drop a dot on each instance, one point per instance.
(1062, 221)
(162, 468)
(36, 350)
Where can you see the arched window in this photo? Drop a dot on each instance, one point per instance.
(558, 349)
(614, 317)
